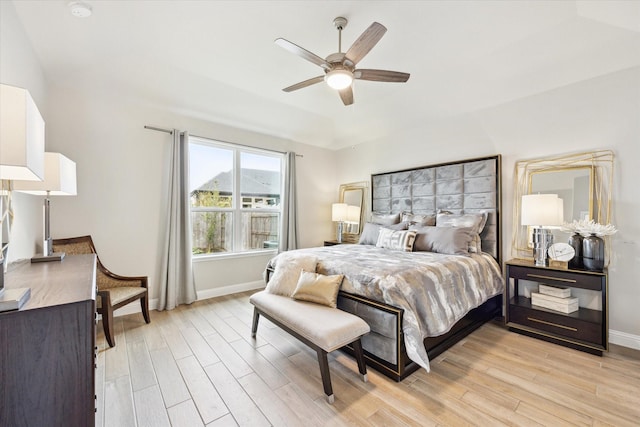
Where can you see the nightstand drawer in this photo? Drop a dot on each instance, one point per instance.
(559, 324)
(557, 277)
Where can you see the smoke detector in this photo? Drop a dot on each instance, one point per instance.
(80, 9)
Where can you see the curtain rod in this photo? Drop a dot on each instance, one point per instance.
(170, 132)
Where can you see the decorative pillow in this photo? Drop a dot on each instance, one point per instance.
(443, 240)
(318, 288)
(369, 235)
(385, 219)
(288, 268)
(419, 219)
(475, 247)
(396, 240)
(476, 221)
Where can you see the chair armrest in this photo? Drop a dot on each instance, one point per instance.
(143, 281)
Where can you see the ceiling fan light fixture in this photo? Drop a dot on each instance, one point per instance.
(339, 79)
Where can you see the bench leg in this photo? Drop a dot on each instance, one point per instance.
(326, 376)
(254, 326)
(362, 367)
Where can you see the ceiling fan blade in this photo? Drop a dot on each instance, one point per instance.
(347, 95)
(305, 83)
(365, 42)
(381, 76)
(303, 53)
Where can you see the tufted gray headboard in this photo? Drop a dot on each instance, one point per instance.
(464, 186)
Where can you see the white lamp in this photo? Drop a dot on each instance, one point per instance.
(353, 214)
(540, 211)
(59, 180)
(339, 215)
(21, 136)
(21, 157)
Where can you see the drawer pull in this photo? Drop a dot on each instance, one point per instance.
(552, 324)
(537, 276)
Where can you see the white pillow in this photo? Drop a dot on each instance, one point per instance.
(396, 240)
(285, 277)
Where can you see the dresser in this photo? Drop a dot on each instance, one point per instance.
(585, 329)
(47, 348)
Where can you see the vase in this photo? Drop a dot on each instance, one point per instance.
(593, 253)
(575, 242)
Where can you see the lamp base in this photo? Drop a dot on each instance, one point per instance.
(339, 232)
(542, 239)
(56, 256)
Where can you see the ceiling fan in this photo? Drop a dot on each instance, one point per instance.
(340, 68)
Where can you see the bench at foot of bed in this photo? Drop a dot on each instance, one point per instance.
(322, 328)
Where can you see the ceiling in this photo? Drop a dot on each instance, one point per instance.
(216, 60)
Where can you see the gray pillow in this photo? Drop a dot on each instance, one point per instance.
(385, 219)
(476, 221)
(443, 240)
(419, 219)
(370, 232)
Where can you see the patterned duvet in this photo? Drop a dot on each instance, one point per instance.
(435, 290)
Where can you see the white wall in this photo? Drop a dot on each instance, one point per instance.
(19, 66)
(601, 113)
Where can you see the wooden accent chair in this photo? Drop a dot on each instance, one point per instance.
(114, 291)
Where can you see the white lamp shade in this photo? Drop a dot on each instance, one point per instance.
(541, 210)
(21, 136)
(59, 178)
(353, 214)
(339, 79)
(339, 212)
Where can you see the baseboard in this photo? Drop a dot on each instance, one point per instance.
(624, 339)
(228, 290)
(134, 307)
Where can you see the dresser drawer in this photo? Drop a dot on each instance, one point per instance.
(558, 324)
(557, 278)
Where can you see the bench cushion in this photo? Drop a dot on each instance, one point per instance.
(328, 328)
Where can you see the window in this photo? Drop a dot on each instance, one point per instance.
(236, 195)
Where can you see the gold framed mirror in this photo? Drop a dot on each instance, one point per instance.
(355, 195)
(584, 181)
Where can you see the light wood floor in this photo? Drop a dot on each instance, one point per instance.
(197, 365)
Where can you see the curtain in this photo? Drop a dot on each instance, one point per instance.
(289, 230)
(176, 278)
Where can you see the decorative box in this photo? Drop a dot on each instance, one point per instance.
(563, 305)
(555, 291)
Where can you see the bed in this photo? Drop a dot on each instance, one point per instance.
(419, 303)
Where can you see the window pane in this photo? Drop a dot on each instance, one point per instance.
(260, 230)
(212, 232)
(210, 176)
(260, 181)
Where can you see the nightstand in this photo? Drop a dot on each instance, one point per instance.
(332, 242)
(585, 329)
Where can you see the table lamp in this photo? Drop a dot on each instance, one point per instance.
(540, 211)
(21, 155)
(339, 215)
(59, 180)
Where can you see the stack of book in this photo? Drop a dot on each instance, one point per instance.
(14, 299)
(554, 298)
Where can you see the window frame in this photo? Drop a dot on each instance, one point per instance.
(237, 210)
